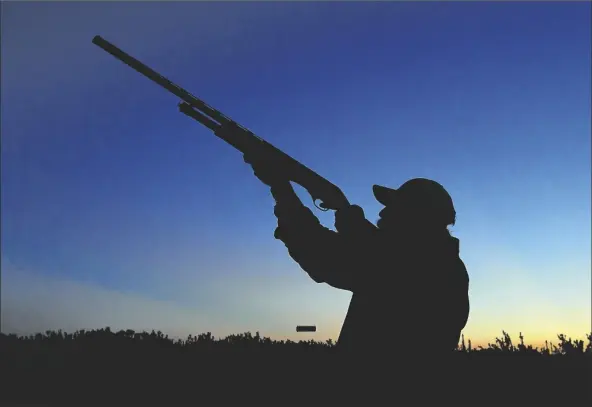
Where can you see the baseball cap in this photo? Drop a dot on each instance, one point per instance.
(419, 193)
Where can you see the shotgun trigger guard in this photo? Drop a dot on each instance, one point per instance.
(320, 206)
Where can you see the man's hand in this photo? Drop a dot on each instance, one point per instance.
(351, 219)
(281, 189)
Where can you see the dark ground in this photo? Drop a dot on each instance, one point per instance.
(138, 368)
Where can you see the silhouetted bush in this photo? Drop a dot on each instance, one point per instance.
(101, 364)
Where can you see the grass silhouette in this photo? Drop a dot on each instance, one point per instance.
(103, 365)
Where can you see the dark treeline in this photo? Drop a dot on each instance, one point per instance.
(140, 367)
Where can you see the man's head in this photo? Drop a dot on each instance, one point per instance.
(418, 203)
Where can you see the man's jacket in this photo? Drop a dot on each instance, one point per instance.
(408, 291)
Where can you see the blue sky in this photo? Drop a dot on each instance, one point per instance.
(118, 210)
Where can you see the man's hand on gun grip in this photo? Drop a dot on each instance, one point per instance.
(295, 221)
(349, 218)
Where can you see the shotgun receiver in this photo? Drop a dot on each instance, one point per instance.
(252, 146)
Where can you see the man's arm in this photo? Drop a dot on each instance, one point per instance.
(327, 256)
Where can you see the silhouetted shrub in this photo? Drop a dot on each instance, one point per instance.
(100, 364)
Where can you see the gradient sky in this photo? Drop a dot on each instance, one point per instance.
(118, 210)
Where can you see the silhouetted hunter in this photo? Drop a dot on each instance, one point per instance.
(405, 273)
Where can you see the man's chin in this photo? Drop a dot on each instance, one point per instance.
(382, 225)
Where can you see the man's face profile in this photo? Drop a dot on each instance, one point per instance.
(388, 217)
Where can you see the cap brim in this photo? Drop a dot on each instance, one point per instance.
(384, 195)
